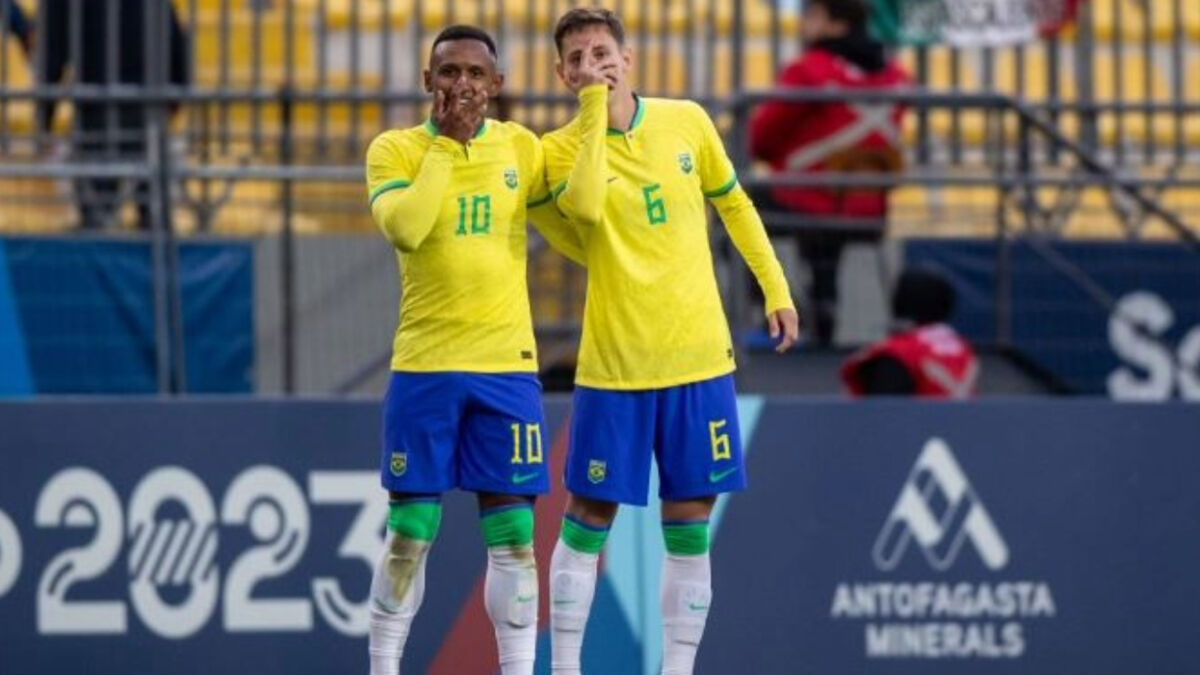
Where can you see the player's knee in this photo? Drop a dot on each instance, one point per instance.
(510, 525)
(583, 537)
(593, 512)
(412, 527)
(686, 538)
(688, 510)
(416, 519)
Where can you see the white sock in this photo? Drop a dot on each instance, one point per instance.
(510, 595)
(396, 592)
(572, 586)
(686, 595)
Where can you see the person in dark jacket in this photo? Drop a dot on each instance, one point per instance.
(19, 26)
(141, 34)
(924, 356)
(839, 136)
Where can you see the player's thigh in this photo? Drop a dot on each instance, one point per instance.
(421, 415)
(612, 440)
(698, 440)
(504, 449)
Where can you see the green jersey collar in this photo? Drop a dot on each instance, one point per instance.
(638, 113)
(433, 130)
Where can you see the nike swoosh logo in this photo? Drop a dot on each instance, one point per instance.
(519, 478)
(718, 476)
(696, 608)
(526, 598)
(612, 178)
(564, 602)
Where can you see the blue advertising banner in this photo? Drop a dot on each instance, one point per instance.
(1144, 346)
(77, 316)
(885, 537)
(1018, 537)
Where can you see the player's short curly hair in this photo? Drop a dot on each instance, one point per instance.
(582, 17)
(464, 32)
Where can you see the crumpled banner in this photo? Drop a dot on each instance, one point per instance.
(970, 23)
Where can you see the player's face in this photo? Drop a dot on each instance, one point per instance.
(816, 24)
(604, 50)
(463, 69)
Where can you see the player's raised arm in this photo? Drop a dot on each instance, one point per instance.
(581, 197)
(557, 229)
(745, 227)
(540, 210)
(406, 210)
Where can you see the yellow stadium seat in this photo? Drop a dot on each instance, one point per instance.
(1134, 19)
(1132, 72)
(1035, 71)
(35, 205)
(19, 115)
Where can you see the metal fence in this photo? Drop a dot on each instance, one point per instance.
(1092, 133)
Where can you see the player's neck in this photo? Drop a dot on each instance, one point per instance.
(621, 110)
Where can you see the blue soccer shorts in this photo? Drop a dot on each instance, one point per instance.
(475, 431)
(692, 430)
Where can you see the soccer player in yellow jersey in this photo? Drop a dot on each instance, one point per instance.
(463, 408)
(656, 360)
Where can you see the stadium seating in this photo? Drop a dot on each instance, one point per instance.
(249, 48)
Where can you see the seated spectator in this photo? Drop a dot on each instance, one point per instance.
(106, 132)
(18, 25)
(842, 136)
(924, 356)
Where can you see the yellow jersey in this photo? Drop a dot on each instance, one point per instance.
(457, 216)
(653, 315)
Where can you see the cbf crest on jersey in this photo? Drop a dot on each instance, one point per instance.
(510, 178)
(399, 463)
(597, 470)
(685, 162)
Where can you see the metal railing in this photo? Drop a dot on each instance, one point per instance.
(282, 97)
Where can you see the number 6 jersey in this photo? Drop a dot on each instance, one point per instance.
(654, 317)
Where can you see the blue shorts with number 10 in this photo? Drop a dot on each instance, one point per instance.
(475, 431)
(691, 429)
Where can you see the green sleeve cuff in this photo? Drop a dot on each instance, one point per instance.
(388, 187)
(723, 190)
(540, 200)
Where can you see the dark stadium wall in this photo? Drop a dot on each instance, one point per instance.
(1131, 332)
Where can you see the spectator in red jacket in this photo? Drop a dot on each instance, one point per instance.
(924, 356)
(843, 136)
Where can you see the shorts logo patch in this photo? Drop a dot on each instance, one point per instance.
(510, 178)
(519, 478)
(715, 476)
(399, 463)
(685, 162)
(597, 470)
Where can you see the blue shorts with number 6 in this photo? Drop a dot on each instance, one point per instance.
(691, 429)
(476, 431)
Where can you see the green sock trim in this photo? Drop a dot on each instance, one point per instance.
(583, 538)
(415, 520)
(512, 526)
(686, 538)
